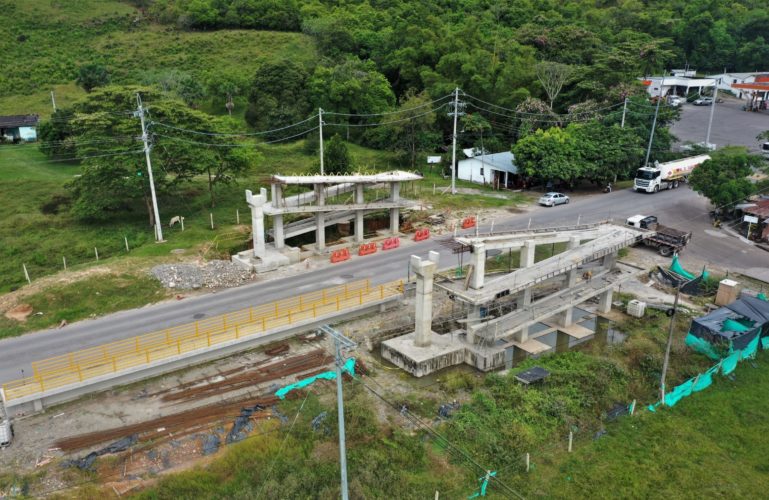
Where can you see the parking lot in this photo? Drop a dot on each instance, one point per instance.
(731, 125)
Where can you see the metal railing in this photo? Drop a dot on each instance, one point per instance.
(148, 348)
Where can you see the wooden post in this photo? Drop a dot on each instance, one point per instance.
(237, 216)
(96, 252)
(571, 439)
(26, 274)
(211, 216)
(64, 260)
(632, 407)
(528, 463)
(181, 220)
(125, 238)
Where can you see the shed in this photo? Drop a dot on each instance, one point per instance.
(497, 169)
(19, 127)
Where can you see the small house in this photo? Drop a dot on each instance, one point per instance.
(496, 169)
(17, 128)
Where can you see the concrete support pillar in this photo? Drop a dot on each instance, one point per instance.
(359, 200)
(604, 301)
(567, 317)
(256, 203)
(320, 219)
(423, 314)
(474, 315)
(571, 280)
(479, 266)
(524, 300)
(395, 188)
(277, 225)
(610, 261)
(527, 253)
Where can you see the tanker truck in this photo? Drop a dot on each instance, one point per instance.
(666, 175)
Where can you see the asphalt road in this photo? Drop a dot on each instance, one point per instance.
(731, 125)
(681, 208)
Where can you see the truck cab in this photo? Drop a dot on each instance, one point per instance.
(765, 149)
(642, 221)
(668, 175)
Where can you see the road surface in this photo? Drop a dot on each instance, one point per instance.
(680, 208)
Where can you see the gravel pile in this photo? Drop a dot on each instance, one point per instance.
(213, 274)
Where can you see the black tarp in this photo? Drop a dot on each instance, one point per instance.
(749, 311)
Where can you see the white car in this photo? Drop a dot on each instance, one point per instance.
(553, 199)
(676, 101)
(704, 101)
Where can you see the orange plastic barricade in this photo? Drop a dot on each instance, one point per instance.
(367, 249)
(340, 255)
(391, 243)
(421, 234)
(468, 222)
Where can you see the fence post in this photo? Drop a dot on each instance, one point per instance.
(125, 238)
(181, 220)
(64, 260)
(337, 303)
(237, 332)
(96, 252)
(571, 437)
(264, 323)
(527, 462)
(211, 215)
(178, 346)
(237, 216)
(360, 295)
(26, 274)
(250, 314)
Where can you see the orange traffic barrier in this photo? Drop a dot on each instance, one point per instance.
(468, 222)
(367, 248)
(421, 234)
(391, 243)
(340, 255)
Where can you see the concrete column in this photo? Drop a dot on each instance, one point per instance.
(256, 203)
(473, 314)
(571, 280)
(395, 188)
(277, 195)
(604, 301)
(479, 266)
(359, 200)
(277, 223)
(527, 253)
(610, 261)
(320, 219)
(423, 314)
(524, 300)
(567, 317)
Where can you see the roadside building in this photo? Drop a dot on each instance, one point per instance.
(756, 214)
(742, 85)
(496, 169)
(17, 128)
(676, 85)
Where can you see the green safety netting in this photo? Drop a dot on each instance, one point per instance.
(730, 363)
(702, 346)
(484, 484)
(765, 343)
(762, 296)
(349, 367)
(731, 325)
(750, 349)
(676, 267)
(703, 381)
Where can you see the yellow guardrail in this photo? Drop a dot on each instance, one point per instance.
(150, 347)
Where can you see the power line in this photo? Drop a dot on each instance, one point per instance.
(234, 145)
(384, 123)
(397, 111)
(240, 134)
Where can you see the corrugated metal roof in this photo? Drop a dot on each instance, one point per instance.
(761, 209)
(18, 121)
(500, 161)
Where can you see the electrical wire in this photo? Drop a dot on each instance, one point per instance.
(241, 134)
(80, 158)
(527, 113)
(386, 113)
(384, 123)
(234, 145)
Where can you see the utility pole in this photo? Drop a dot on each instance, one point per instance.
(654, 123)
(145, 139)
(712, 111)
(454, 143)
(670, 342)
(53, 102)
(320, 133)
(341, 343)
(624, 110)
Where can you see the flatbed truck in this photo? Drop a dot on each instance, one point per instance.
(667, 240)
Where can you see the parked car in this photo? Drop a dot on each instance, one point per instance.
(676, 101)
(553, 199)
(703, 101)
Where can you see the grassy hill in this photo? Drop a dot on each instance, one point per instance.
(43, 42)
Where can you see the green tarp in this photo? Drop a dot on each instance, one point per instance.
(703, 382)
(731, 325)
(675, 266)
(765, 343)
(730, 363)
(750, 349)
(349, 367)
(702, 346)
(762, 296)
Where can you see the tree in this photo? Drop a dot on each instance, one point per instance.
(336, 157)
(278, 96)
(723, 179)
(92, 75)
(412, 132)
(475, 124)
(553, 76)
(550, 154)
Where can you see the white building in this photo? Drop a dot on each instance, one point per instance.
(727, 81)
(676, 85)
(496, 169)
(19, 127)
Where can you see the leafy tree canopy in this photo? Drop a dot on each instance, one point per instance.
(723, 179)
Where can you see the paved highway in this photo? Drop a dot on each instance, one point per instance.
(680, 208)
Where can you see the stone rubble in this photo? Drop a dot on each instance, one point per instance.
(212, 274)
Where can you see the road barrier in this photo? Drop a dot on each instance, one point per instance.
(421, 234)
(79, 366)
(340, 255)
(390, 243)
(366, 249)
(468, 222)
